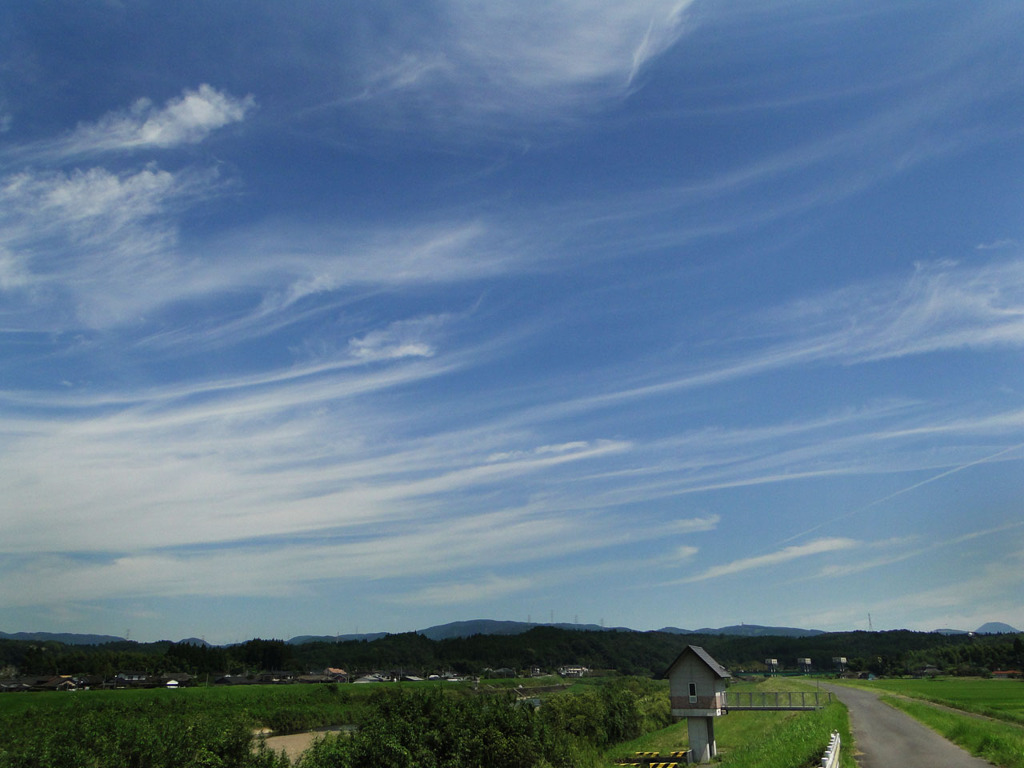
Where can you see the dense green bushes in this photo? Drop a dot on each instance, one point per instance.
(398, 726)
(150, 735)
(428, 728)
(196, 728)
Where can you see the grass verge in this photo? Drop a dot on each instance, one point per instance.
(1001, 699)
(759, 739)
(999, 743)
(793, 740)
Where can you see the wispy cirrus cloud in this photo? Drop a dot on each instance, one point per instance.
(957, 599)
(693, 524)
(402, 338)
(939, 307)
(548, 46)
(284, 565)
(942, 306)
(98, 247)
(471, 591)
(526, 62)
(93, 247)
(906, 549)
(780, 557)
(187, 119)
(248, 448)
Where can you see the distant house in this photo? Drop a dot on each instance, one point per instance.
(501, 672)
(86, 682)
(175, 680)
(572, 671)
(130, 679)
(1005, 674)
(276, 676)
(57, 683)
(374, 677)
(313, 679)
(235, 680)
(15, 684)
(337, 675)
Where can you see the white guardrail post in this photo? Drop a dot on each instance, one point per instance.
(831, 757)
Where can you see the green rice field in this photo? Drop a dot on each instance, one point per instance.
(1001, 699)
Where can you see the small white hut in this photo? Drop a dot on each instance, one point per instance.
(696, 684)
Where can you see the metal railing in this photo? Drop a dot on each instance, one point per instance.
(715, 701)
(772, 700)
(831, 757)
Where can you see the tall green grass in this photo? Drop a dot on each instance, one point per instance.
(794, 740)
(759, 739)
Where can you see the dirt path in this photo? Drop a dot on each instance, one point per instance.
(294, 744)
(888, 738)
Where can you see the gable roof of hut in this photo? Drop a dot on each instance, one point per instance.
(704, 656)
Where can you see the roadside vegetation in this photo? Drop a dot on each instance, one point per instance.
(759, 739)
(966, 704)
(1001, 699)
(998, 742)
(784, 739)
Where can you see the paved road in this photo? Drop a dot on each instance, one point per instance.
(888, 738)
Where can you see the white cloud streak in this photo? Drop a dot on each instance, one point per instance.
(466, 592)
(187, 119)
(941, 307)
(106, 246)
(563, 43)
(526, 62)
(780, 557)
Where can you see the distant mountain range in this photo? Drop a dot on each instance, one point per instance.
(67, 638)
(747, 630)
(989, 628)
(493, 627)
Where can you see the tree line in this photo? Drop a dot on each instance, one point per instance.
(645, 654)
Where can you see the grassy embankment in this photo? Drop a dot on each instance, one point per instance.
(1000, 740)
(760, 739)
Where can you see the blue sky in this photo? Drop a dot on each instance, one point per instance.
(332, 317)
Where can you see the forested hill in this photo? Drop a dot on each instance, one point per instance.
(547, 648)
